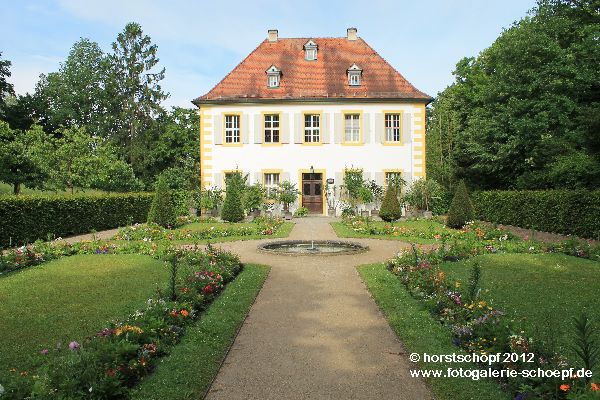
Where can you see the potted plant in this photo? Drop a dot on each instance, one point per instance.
(365, 196)
(353, 183)
(287, 196)
(377, 191)
(210, 200)
(422, 195)
(253, 198)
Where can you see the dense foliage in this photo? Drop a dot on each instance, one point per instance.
(113, 98)
(461, 209)
(524, 112)
(162, 211)
(390, 206)
(575, 212)
(28, 218)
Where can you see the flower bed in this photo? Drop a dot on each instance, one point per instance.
(153, 232)
(108, 363)
(477, 326)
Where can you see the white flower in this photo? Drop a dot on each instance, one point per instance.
(531, 248)
(1, 390)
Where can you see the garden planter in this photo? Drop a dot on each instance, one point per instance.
(255, 213)
(374, 213)
(287, 215)
(331, 212)
(364, 214)
(214, 212)
(427, 214)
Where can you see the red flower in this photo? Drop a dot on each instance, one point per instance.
(564, 387)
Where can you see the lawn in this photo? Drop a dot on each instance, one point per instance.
(541, 292)
(69, 299)
(420, 231)
(420, 333)
(192, 365)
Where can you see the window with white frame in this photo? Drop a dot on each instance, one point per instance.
(271, 128)
(394, 178)
(310, 51)
(311, 128)
(392, 128)
(352, 128)
(232, 129)
(271, 182)
(273, 81)
(354, 75)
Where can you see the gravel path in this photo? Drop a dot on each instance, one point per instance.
(314, 331)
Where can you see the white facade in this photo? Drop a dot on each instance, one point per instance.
(331, 156)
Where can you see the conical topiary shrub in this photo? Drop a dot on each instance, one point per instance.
(162, 210)
(390, 206)
(461, 209)
(233, 209)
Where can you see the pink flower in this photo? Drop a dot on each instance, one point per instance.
(74, 346)
(44, 352)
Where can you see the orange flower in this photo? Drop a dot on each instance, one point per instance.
(595, 387)
(564, 387)
(185, 313)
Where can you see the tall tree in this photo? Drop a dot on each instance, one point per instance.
(136, 84)
(526, 107)
(76, 95)
(6, 88)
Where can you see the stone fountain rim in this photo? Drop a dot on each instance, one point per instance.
(356, 248)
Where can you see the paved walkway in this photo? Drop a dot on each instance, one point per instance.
(314, 331)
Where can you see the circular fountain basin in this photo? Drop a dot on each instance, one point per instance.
(312, 248)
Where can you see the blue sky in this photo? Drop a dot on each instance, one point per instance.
(199, 42)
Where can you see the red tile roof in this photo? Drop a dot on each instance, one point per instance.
(324, 78)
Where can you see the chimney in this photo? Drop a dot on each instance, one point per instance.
(352, 33)
(272, 35)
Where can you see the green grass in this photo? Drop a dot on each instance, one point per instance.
(190, 368)
(69, 299)
(541, 292)
(418, 226)
(421, 334)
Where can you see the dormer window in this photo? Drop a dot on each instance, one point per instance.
(310, 51)
(273, 76)
(354, 75)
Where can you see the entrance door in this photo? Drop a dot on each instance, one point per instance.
(312, 192)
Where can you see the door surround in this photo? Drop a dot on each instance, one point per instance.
(324, 183)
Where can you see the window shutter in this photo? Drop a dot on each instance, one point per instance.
(258, 128)
(245, 129)
(218, 129)
(284, 128)
(258, 178)
(379, 178)
(367, 176)
(338, 127)
(325, 129)
(298, 128)
(339, 179)
(285, 176)
(379, 128)
(366, 131)
(218, 180)
(406, 128)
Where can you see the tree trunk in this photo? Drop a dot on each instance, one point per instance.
(17, 188)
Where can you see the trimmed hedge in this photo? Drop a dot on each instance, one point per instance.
(25, 219)
(575, 212)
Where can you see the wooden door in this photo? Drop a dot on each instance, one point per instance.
(312, 192)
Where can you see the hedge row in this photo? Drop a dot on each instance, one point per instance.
(575, 212)
(24, 219)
